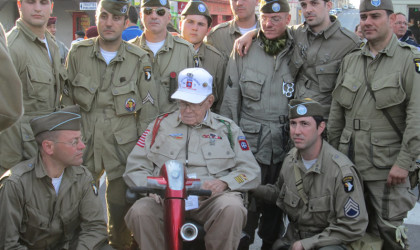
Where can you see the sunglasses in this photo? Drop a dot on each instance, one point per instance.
(159, 11)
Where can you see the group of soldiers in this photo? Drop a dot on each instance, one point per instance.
(231, 112)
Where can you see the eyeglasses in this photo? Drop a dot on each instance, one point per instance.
(73, 143)
(273, 19)
(159, 11)
(401, 23)
(193, 107)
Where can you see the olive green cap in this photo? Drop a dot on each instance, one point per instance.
(197, 7)
(274, 6)
(155, 3)
(65, 119)
(116, 7)
(305, 107)
(368, 5)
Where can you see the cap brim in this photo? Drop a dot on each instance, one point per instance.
(188, 97)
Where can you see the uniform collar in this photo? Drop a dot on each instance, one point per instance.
(201, 51)
(234, 28)
(120, 53)
(327, 33)
(317, 167)
(208, 122)
(40, 172)
(25, 29)
(168, 45)
(389, 50)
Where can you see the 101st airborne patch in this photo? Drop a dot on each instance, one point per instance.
(417, 64)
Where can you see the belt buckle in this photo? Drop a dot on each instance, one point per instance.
(356, 124)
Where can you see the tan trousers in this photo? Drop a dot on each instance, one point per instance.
(222, 215)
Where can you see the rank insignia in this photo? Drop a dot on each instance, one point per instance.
(348, 184)
(417, 64)
(148, 98)
(147, 73)
(196, 61)
(351, 208)
(94, 188)
(244, 145)
(241, 178)
(130, 105)
(142, 140)
(176, 136)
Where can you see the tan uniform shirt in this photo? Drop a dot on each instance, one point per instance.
(316, 60)
(42, 81)
(254, 98)
(357, 124)
(210, 153)
(174, 56)
(109, 97)
(214, 62)
(38, 218)
(336, 212)
(223, 36)
(63, 51)
(11, 106)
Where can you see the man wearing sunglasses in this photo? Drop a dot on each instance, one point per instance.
(168, 56)
(109, 79)
(195, 23)
(212, 148)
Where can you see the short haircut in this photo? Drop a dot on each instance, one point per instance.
(133, 16)
(46, 135)
(400, 13)
(318, 119)
(357, 26)
(389, 12)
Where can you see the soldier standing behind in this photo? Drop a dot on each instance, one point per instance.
(37, 61)
(51, 27)
(195, 23)
(375, 120)
(107, 79)
(257, 99)
(168, 56)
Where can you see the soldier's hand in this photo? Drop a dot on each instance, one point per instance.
(243, 43)
(297, 246)
(155, 197)
(396, 176)
(216, 186)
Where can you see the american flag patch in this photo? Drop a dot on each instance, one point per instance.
(142, 140)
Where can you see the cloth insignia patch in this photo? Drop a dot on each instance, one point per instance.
(212, 136)
(301, 110)
(348, 184)
(351, 208)
(176, 136)
(241, 138)
(201, 8)
(130, 105)
(244, 144)
(241, 178)
(417, 64)
(148, 98)
(375, 3)
(124, 9)
(142, 140)
(147, 73)
(94, 188)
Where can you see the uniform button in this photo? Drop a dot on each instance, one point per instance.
(321, 69)
(157, 147)
(209, 153)
(76, 81)
(115, 92)
(227, 152)
(312, 208)
(376, 140)
(92, 89)
(354, 87)
(171, 153)
(49, 80)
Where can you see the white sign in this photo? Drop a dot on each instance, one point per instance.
(88, 6)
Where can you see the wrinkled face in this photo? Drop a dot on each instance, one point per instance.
(400, 25)
(52, 29)
(316, 13)
(155, 19)
(194, 28)
(68, 148)
(110, 26)
(243, 9)
(376, 25)
(193, 114)
(359, 32)
(274, 25)
(35, 13)
(305, 133)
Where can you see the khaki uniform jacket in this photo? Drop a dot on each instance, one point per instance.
(214, 62)
(317, 58)
(210, 153)
(254, 98)
(37, 218)
(336, 211)
(109, 97)
(223, 36)
(42, 83)
(11, 106)
(63, 51)
(174, 56)
(357, 122)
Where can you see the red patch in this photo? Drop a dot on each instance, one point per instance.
(244, 145)
(142, 140)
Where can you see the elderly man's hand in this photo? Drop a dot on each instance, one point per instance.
(216, 186)
(396, 176)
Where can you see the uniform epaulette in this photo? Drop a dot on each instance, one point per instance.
(83, 43)
(12, 35)
(343, 163)
(20, 169)
(411, 47)
(350, 35)
(219, 26)
(134, 49)
(212, 48)
(181, 40)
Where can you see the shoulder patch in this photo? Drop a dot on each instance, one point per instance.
(94, 188)
(417, 64)
(348, 184)
(142, 140)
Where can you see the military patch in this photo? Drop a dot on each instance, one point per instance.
(148, 98)
(142, 140)
(201, 8)
(301, 109)
(130, 105)
(229, 82)
(241, 138)
(288, 89)
(244, 145)
(147, 73)
(241, 178)
(176, 136)
(348, 184)
(94, 188)
(375, 3)
(163, 2)
(212, 136)
(417, 64)
(66, 90)
(124, 9)
(351, 208)
(275, 7)
(196, 61)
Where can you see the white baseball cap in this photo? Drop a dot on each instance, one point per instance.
(194, 85)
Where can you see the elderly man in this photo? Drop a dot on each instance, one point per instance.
(50, 201)
(400, 28)
(256, 98)
(375, 119)
(318, 187)
(212, 148)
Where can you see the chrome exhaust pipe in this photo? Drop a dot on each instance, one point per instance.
(189, 231)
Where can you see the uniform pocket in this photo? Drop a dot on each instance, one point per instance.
(327, 74)
(345, 93)
(295, 63)
(39, 83)
(35, 225)
(219, 159)
(71, 222)
(252, 132)
(290, 202)
(251, 84)
(319, 208)
(126, 98)
(388, 91)
(385, 148)
(126, 138)
(84, 91)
